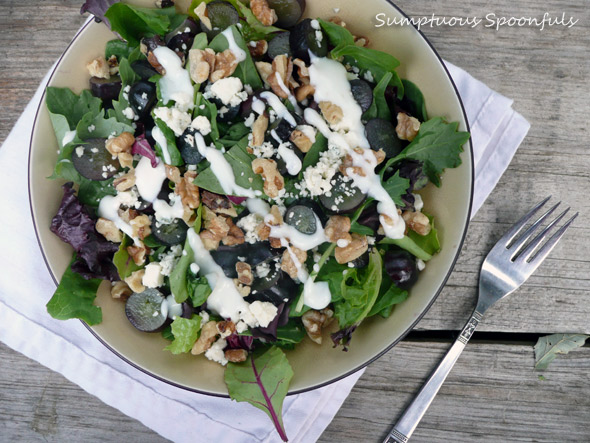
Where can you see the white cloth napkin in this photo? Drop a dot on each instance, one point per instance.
(182, 416)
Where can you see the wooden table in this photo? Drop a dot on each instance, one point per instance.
(493, 393)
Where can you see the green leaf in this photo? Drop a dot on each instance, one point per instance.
(413, 101)
(126, 72)
(246, 70)
(132, 23)
(73, 107)
(389, 295)
(377, 62)
(438, 145)
(103, 127)
(200, 41)
(263, 381)
(175, 157)
(186, 333)
(123, 262)
(548, 347)
(361, 229)
(241, 164)
(167, 333)
(396, 187)
(118, 48)
(234, 134)
(338, 36)
(198, 289)
(359, 290)
(379, 108)
(210, 111)
(91, 192)
(178, 279)
(313, 155)
(409, 245)
(428, 242)
(74, 298)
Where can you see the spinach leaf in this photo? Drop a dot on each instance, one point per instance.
(338, 36)
(178, 277)
(413, 101)
(132, 22)
(389, 295)
(361, 229)
(377, 62)
(246, 70)
(128, 77)
(124, 263)
(73, 107)
(438, 145)
(74, 298)
(396, 187)
(234, 134)
(409, 245)
(313, 155)
(118, 48)
(263, 381)
(61, 127)
(359, 290)
(103, 127)
(379, 108)
(175, 157)
(210, 111)
(91, 192)
(198, 289)
(548, 347)
(428, 242)
(241, 164)
(185, 332)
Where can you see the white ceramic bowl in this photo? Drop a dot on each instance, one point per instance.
(313, 365)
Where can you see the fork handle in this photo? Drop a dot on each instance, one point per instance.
(404, 428)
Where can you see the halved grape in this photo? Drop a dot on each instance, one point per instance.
(360, 262)
(189, 26)
(107, 89)
(170, 234)
(304, 38)
(188, 148)
(254, 253)
(143, 69)
(142, 97)
(279, 45)
(362, 93)
(401, 268)
(93, 161)
(302, 218)
(222, 15)
(344, 197)
(144, 310)
(276, 288)
(288, 11)
(381, 135)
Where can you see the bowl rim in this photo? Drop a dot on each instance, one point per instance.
(469, 144)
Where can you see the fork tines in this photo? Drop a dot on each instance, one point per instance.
(526, 249)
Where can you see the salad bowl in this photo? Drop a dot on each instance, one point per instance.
(450, 204)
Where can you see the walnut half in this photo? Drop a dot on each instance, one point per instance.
(273, 180)
(314, 321)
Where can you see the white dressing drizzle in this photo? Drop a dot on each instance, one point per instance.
(176, 83)
(302, 241)
(238, 52)
(292, 162)
(170, 308)
(257, 206)
(258, 106)
(290, 96)
(68, 137)
(160, 138)
(109, 208)
(222, 170)
(165, 213)
(418, 202)
(149, 180)
(278, 106)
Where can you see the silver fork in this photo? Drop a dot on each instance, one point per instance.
(508, 265)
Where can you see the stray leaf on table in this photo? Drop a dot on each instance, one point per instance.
(548, 347)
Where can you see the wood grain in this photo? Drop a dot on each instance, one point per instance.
(493, 393)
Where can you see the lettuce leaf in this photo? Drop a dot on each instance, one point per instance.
(549, 346)
(73, 107)
(338, 36)
(178, 280)
(175, 157)
(379, 108)
(389, 295)
(263, 381)
(123, 262)
(132, 22)
(74, 298)
(186, 333)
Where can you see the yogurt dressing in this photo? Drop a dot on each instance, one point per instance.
(109, 208)
(160, 138)
(238, 52)
(278, 106)
(176, 83)
(68, 137)
(149, 180)
(292, 162)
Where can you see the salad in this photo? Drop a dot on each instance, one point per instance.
(245, 180)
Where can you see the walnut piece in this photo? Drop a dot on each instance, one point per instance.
(135, 281)
(153, 60)
(288, 262)
(304, 92)
(202, 64)
(314, 321)
(203, 15)
(208, 335)
(242, 289)
(282, 68)
(302, 71)
(361, 41)
(138, 253)
(417, 222)
(225, 328)
(264, 69)
(113, 65)
(245, 275)
(235, 235)
(263, 12)
(210, 240)
(217, 203)
(236, 355)
(120, 289)
(109, 230)
(172, 174)
(331, 112)
(338, 228)
(357, 247)
(125, 159)
(141, 226)
(98, 68)
(301, 140)
(273, 180)
(258, 48)
(259, 128)
(407, 127)
(225, 65)
(188, 191)
(125, 182)
(347, 164)
(120, 147)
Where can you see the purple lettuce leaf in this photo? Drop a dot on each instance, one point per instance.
(343, 337)
(143, 147)
(236, 341)
(74, 225)
(270, 332)
(98, 8)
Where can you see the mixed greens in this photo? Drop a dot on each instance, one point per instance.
(243, 177)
